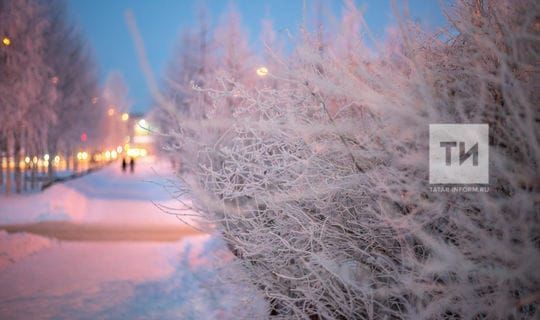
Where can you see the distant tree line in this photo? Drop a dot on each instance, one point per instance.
(49, 95)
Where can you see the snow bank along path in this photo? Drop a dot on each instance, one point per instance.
(106, 196)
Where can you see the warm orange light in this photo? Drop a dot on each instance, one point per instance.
(125, 117)
(82, 155)
(137, 152)
(262, 71)
(110, 112)
(6, 41)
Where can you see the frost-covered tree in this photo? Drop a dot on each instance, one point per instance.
(273, 52)
(206, 57)
(192, 65)
(235, 63)
(48, 85)
(117, 101)
(78, 111)
(320, 188)
(25, 81)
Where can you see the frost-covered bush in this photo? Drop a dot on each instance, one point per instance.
(319, 185)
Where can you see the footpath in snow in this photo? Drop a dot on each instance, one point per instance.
(98, 248)
(107, 196)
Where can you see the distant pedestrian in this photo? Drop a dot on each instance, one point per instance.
(124, 165)
(132, 165)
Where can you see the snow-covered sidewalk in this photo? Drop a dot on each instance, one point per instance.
(104, 275)
(106, 196)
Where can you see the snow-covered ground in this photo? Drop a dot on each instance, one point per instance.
(46, 278)
(14, 247)
(108, 195)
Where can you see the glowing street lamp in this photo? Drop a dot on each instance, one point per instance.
(6, 41)
(262, 71)
(125, 117)
(83, 155)
(110, 112)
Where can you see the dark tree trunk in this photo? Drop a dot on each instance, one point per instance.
(50, 167)
(17, 159)
(33, 175)
(8, 169)
(68, 159)
(2, 148)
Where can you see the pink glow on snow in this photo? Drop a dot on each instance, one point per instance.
(50, 279)
(14, 247)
